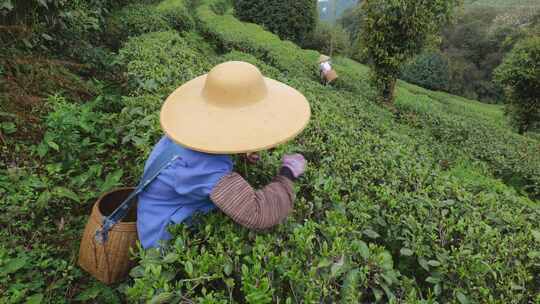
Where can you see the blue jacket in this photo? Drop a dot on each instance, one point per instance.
(179, 191)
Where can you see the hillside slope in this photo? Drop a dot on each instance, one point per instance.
(433, 201)
(396, 206)
(504, 3)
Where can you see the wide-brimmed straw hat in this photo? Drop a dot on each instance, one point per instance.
(323, 58)
(234, 109)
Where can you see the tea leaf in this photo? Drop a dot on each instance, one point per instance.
(434, 263)
(463, 299)
(406, 252)
(536, 235)
(35, 299)
(65, 192)
(112, 180)
(371, 233)
(363, 250)
(12, 266)
(188, 267)
(161, 298)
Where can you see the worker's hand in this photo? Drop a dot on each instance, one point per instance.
(252, 158)
(296, 163)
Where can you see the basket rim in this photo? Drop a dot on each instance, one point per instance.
(97, 216)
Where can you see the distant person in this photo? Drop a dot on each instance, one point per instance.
(231, 110)
(325, 68)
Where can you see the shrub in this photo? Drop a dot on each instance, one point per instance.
(75, 132)
(385, 212)
(138, 125)
(133, 20)
(177, 14)
(377, 217)
(510, 156)
(291, 20)
(231, 34)
(53, 25)
(266, 70)
(160, 61)
(329, 39)
(427, 223)
(429, 70)
(520, 75)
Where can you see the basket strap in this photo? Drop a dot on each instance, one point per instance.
(162, 161)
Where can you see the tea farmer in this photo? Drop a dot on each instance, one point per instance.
(324, 68)
(231, 110)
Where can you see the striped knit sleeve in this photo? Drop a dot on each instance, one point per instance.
(252, 209)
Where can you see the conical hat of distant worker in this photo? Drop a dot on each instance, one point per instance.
(323, 58)
(234, 109)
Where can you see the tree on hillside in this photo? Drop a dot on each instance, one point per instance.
(293, 20)
(329, 39)
(394, 31)
(475, 44)
(519, 74)
(351, 21)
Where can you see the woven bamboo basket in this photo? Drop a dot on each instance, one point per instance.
(109, 262)
(331, 76)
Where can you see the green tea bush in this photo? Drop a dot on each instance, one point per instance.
(459, 123)
(45, 191)
(510, 156)
(395, 207)
(75, 132)
(266, 70)
(291, 20)
(232, 34)
(352, 77)
(177, 14)
(160, 60)
(139, 124)
(133, 20)
(429, 70)
(377, 217)
(51, 25)
(461, 106)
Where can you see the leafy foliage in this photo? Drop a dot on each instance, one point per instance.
(231, 34)
(52, 24)
(134, 20)
(329, 39)
(417, 205)
(394, 31)
(429, 70)
(43, 202)
(392, 187)
(510, 157)
(146, 57)
(475, 45)
(176, 12)
(291, 20)
(74, 131)
(351, 21)
(520, 75)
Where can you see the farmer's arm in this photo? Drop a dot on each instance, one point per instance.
(261, 209)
